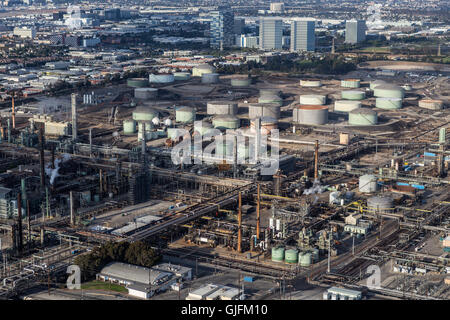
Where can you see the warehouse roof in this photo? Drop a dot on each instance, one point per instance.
(134, 273)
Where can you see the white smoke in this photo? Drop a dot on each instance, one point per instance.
(53, 173)
(315, 189)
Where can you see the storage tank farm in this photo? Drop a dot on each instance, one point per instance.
(270, 97)
(353, 95)
(345, 106)
(226, 122)
(210, 78)
(313, 99)
(161, 78)
(185, 114)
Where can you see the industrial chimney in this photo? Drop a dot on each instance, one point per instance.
(74, 116)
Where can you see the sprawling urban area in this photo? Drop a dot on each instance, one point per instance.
(224, 150)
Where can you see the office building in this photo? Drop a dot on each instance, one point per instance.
(222, 29)
(277, 7)
(248, 41)
(25, 32)
(302, 35)
(270, 33)
(239, 26)
(355, 31)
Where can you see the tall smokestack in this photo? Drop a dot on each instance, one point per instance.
(41, 156)
(240, 224)
(9, 130)
(316, 161)
(71, 208)
(74, 116)
(258, 231)
(258, 138)
(13, 113)
(19, 222)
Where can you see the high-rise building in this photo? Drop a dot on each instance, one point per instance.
(302, 35)
(270, 33)
(355, 31)
(277, 7)
(222, 29)
(25, 32)
(239, 26)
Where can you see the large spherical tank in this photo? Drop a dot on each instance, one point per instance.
(137, 82)
(346, 105)
(278, 254)
(271, 98)
(368, 183)
(181, 76)
(388, 103)
(362, 117)
(209, 78)
(161, 78)
(198, 71)
(291, 256)
(145, 93)
(431, 104)
(315, 115)
(267, 124)
(313, 99)
(222, 107)
(353, 95)
(258, 110)
(389, 91)
(305, 259)
(144, 114)
(380, 204)
(226, 122)
(129, 127)
(263, 92)
(202, 127)
(350, 83)
(310, 83)
(185, 114)
(376, 83)
(241, 82)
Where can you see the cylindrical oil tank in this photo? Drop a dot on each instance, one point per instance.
(388, 103)
(315, 254)
(181, 76)
(346, 105)
(210, 78)
(258, 110)
(305, 259)
(129, 127)
(148, 130)
(267, 124)
(431, 104)
(278, 254)
(226, 122)
(362, 117)
(245, 150)
(315, 115)
(137, 82)
(145, 93)
(380, 204)
(202, 127)
(263, 92)
(199, 70)
(271, 98)
(174, 133)
(353, 95)
(144, 114)
(241, 81)
(376, 83)
(350, 83)
(291, 256)
(368, 183)
(185, 114)
(313, 99)
(310, 83)
(222, 107)
(161, 78)
(389, 91)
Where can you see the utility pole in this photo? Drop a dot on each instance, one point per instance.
(258, 231)
(316, 161)
(353, 246)
(329, 252)
(239, 248)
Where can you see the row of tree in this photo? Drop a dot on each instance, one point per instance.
(138, 253)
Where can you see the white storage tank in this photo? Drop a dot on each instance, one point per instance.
(181, 76)
(346, 105)
(258, 110)
(350, 83)
(368, 183)
(199, 70)
(210, 78)
(185, 114)
(311, 115)
(353, 95)
(222, 107)
(362, 117)
(310, 83)
(431, 104)
(161, 78)
(388, 103)
(145, 93)
(313, 99)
